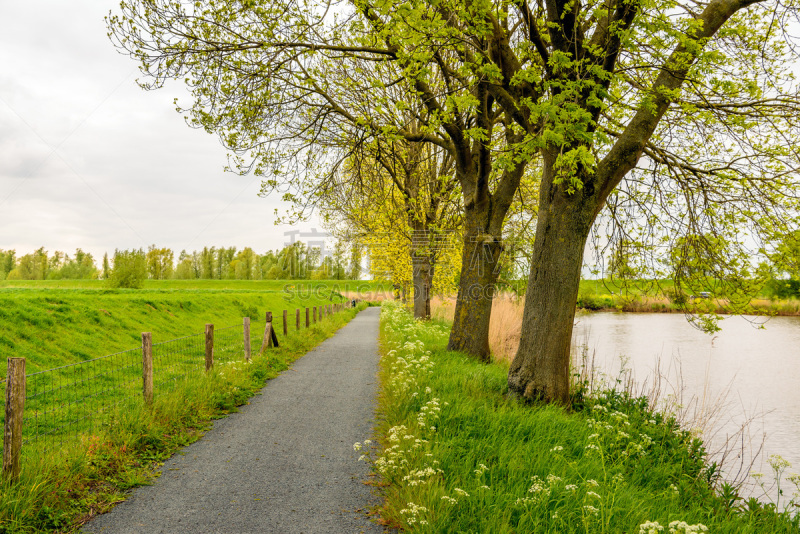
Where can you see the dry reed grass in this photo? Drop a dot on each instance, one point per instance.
(661, 304)
(505, 326)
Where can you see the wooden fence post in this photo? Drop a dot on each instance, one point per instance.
(314, 313)
(267, 333)
(15, 407)
(247, 339)
(297, 318)
(270, 337)
(147, 367)
(307, 315)
(285, 325)
(209, 346)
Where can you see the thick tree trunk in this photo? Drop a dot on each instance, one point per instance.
(422, 266)
(422, 270)
(479, 271)
(541, 367)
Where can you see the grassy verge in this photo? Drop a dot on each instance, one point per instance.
(60, 490)
(456, 456)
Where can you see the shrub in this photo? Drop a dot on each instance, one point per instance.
(783, 289)
(129, 269)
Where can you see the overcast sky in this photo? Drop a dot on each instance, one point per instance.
(90, 160)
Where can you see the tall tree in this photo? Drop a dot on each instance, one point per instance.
(683, 114)
(356, 257)
(129, 269)
(185, 268)
(651, 110)
(786, 256)
(243, 265)
(401, 198)
(8, 260)
(160, 263)
(106, 266)
(288, 89)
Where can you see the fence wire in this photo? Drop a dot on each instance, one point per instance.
(67, 401)
(177, 359)
(64, 403)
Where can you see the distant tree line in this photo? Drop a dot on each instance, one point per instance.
(127, 268)
(40, 265)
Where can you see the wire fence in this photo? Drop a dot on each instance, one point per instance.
(66, 403)
(177, 359)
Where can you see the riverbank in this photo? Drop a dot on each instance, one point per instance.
(639, 303)
(458, 456)
(507, 308)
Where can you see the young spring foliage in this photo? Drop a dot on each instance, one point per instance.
(664, 117)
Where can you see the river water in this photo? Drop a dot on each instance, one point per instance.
(722, 380)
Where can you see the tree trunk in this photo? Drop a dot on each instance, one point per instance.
(541, 367)
(422, 271)
(423, 276)
(479, 271)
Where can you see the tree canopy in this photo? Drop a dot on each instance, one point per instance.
(662, 117)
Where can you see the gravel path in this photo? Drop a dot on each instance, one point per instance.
(284, 463)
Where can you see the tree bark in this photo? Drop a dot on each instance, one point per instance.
(540, 369)
(479, 272)
(422, 266)
(422, 270)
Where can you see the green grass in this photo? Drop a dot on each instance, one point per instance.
(55, 327)
(235, 285)
(456, 455)
(71, 333)
(63, 487)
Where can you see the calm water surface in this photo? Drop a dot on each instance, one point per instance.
(749, 372)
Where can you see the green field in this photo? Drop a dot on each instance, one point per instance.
(83, 346)
(60, 322)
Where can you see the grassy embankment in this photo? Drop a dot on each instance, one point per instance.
(55, 323)
(456, 455)
(87, 474)
(230, 285)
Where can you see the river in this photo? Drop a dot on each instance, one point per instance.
(742, 372)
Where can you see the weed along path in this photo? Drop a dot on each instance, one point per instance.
(284, 463)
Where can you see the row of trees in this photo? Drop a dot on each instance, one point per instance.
(629, 120)
(296, 261)
(40, 265)
(699, 263)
